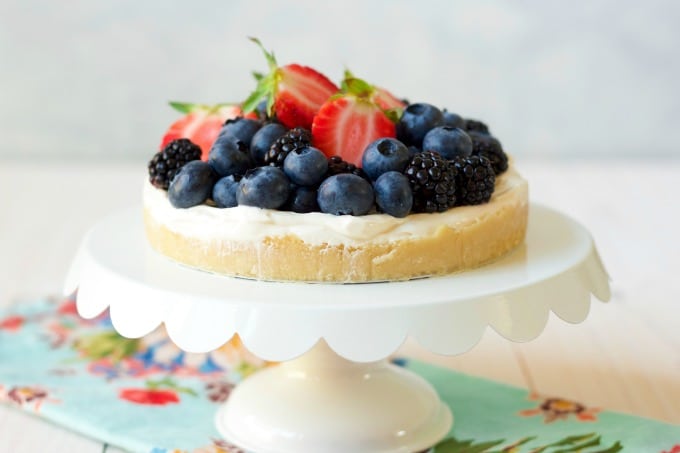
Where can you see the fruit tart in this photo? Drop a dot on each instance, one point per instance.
(310, 181)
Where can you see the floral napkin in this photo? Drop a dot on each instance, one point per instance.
(145, 395)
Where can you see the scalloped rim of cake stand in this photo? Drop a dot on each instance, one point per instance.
(556, 269)
(339, 395)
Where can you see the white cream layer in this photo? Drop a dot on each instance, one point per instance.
(244, 223)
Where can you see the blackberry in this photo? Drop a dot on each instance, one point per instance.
(292, 140)
(166, 163)
(489, 147)
(433, 180)
(475, 180)
(476, 126)
(337, 166)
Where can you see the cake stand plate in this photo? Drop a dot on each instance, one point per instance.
(336, 392)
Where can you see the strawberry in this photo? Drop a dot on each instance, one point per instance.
(293, 92)
(201, 124)
(349, 121)
(390, 104)
(387, 100)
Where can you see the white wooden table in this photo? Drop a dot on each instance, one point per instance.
(625, 357)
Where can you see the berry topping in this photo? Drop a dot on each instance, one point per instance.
(416, 121)
(453, 119)
(241, 128)
(166, 163)
(192, 185)
(393, 194)
(201, 124)
(293, 92)
(345, 194)
(383, 155)
(224, 192)
(349, 121)
(448, 141)
(292, 140)
(475, 180)
(264, 139)
(229, 156)
(305, 166)
(489, 147)
(433, 181)
(263, 187)
(476, 126)
(337, 166)
(302, 199)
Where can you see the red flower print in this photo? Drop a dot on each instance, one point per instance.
(149, 396)
(156, 393)
(12, 324)
(675, 449)
(68, 307)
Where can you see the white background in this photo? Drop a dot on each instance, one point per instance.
(577, 79)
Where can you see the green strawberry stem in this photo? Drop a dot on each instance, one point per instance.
(266, 84)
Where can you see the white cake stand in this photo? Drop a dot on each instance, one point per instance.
(336, 392)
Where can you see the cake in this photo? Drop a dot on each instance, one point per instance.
(307, 181)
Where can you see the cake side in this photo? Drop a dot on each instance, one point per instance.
(420, 245)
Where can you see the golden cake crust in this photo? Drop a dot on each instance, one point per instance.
(458, 241)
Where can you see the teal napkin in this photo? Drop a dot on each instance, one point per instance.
(145, 395)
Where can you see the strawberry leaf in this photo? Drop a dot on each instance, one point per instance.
(357, 87)
(394, 114)
(263, 89)
(257, 75)
(271, 60)
(186, 107)
(183, 107)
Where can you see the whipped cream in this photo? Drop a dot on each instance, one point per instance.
(245, 223)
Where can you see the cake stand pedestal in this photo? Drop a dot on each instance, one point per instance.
(336, 392)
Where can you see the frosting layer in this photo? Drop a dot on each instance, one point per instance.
(249, 224)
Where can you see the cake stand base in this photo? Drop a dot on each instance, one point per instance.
(321, 402)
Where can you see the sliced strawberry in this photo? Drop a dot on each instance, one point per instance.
(348, 122)
(293, 92)
(391, 105)
(387, 100)
(201, 124)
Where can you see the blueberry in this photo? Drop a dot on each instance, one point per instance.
(305, 166)
(263, 187)
(261, 109)
(393, 194)
(448, 141)
(224, 192)
(264, 139)
(345, 194)
(453, 119)
(241, 128)
(192, 185)
(229, 156)
(416, 121)
(383, 155)
(302, 199)
(476, 126)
